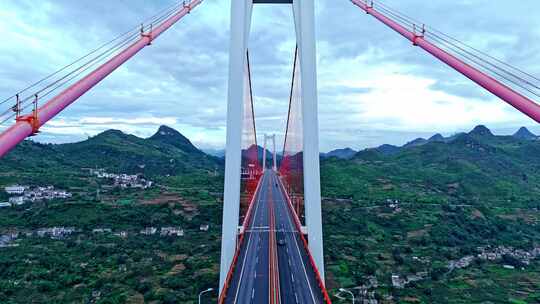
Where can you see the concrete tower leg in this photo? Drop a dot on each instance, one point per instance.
(240, 27)
(304, 17)
(264, 154)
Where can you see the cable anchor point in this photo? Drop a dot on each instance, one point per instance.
(33, 118)
(149, 34)
(187, 6)
(416, 35)
(369, 6)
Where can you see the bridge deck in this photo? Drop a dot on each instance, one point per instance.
(251, 279)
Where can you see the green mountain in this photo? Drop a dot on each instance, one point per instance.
(475, 166)
(399, 223)
(170, 136)
(524, 133)
(390, 211)
(167, 152)
(340, 153)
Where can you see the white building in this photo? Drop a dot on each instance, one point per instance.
(397, 281)
(509, 267)
(6, 204)
(122, 234)
(15, 189)
(16, 200)
(55, 232)
(102, 230)
(149, 231)
(172, 231)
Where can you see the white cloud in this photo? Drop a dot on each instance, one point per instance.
(374, 86)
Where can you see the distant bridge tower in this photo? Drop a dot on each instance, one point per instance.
(304, 17)
(274, 154)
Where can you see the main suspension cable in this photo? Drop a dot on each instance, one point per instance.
(518, 81)
(129, 36)
(473, 55)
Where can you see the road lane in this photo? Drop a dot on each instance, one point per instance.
(297, 278)
(250, 279)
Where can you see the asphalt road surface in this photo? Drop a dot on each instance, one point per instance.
(250, 281)
(298, 283)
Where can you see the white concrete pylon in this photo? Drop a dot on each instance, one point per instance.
(240, 28)
(275, 155)
(304, 15)
(304, 19)
(264, 154)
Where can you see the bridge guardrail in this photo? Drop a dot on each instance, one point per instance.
(305, 243)
(223, 294)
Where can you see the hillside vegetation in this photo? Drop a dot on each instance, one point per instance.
(412, 212)
(396, 221)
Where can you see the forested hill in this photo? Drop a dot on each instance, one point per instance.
(167, 152)
(396, 220)
(438, 220)
(469, 166)
(473, 167)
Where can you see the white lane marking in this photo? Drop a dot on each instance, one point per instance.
(257, 230)
(301, 259)
(245, 258)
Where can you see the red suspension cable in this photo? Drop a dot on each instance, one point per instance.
(509, 95)
(29, 124)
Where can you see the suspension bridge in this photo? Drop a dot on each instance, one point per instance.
(272, 243)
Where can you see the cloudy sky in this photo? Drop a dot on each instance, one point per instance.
(374, 87)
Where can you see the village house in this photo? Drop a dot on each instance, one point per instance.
(122, 234)
(45, 193)
(509, 267)
(397, 281)
(123, 180)
(461, 263)
(55, 232)
(400, 282)
(171, 231)
(16, 200)
(149, 231)
(493, 254)
(6, 240)
(15, 189)
(102, 230)
(27, 194)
